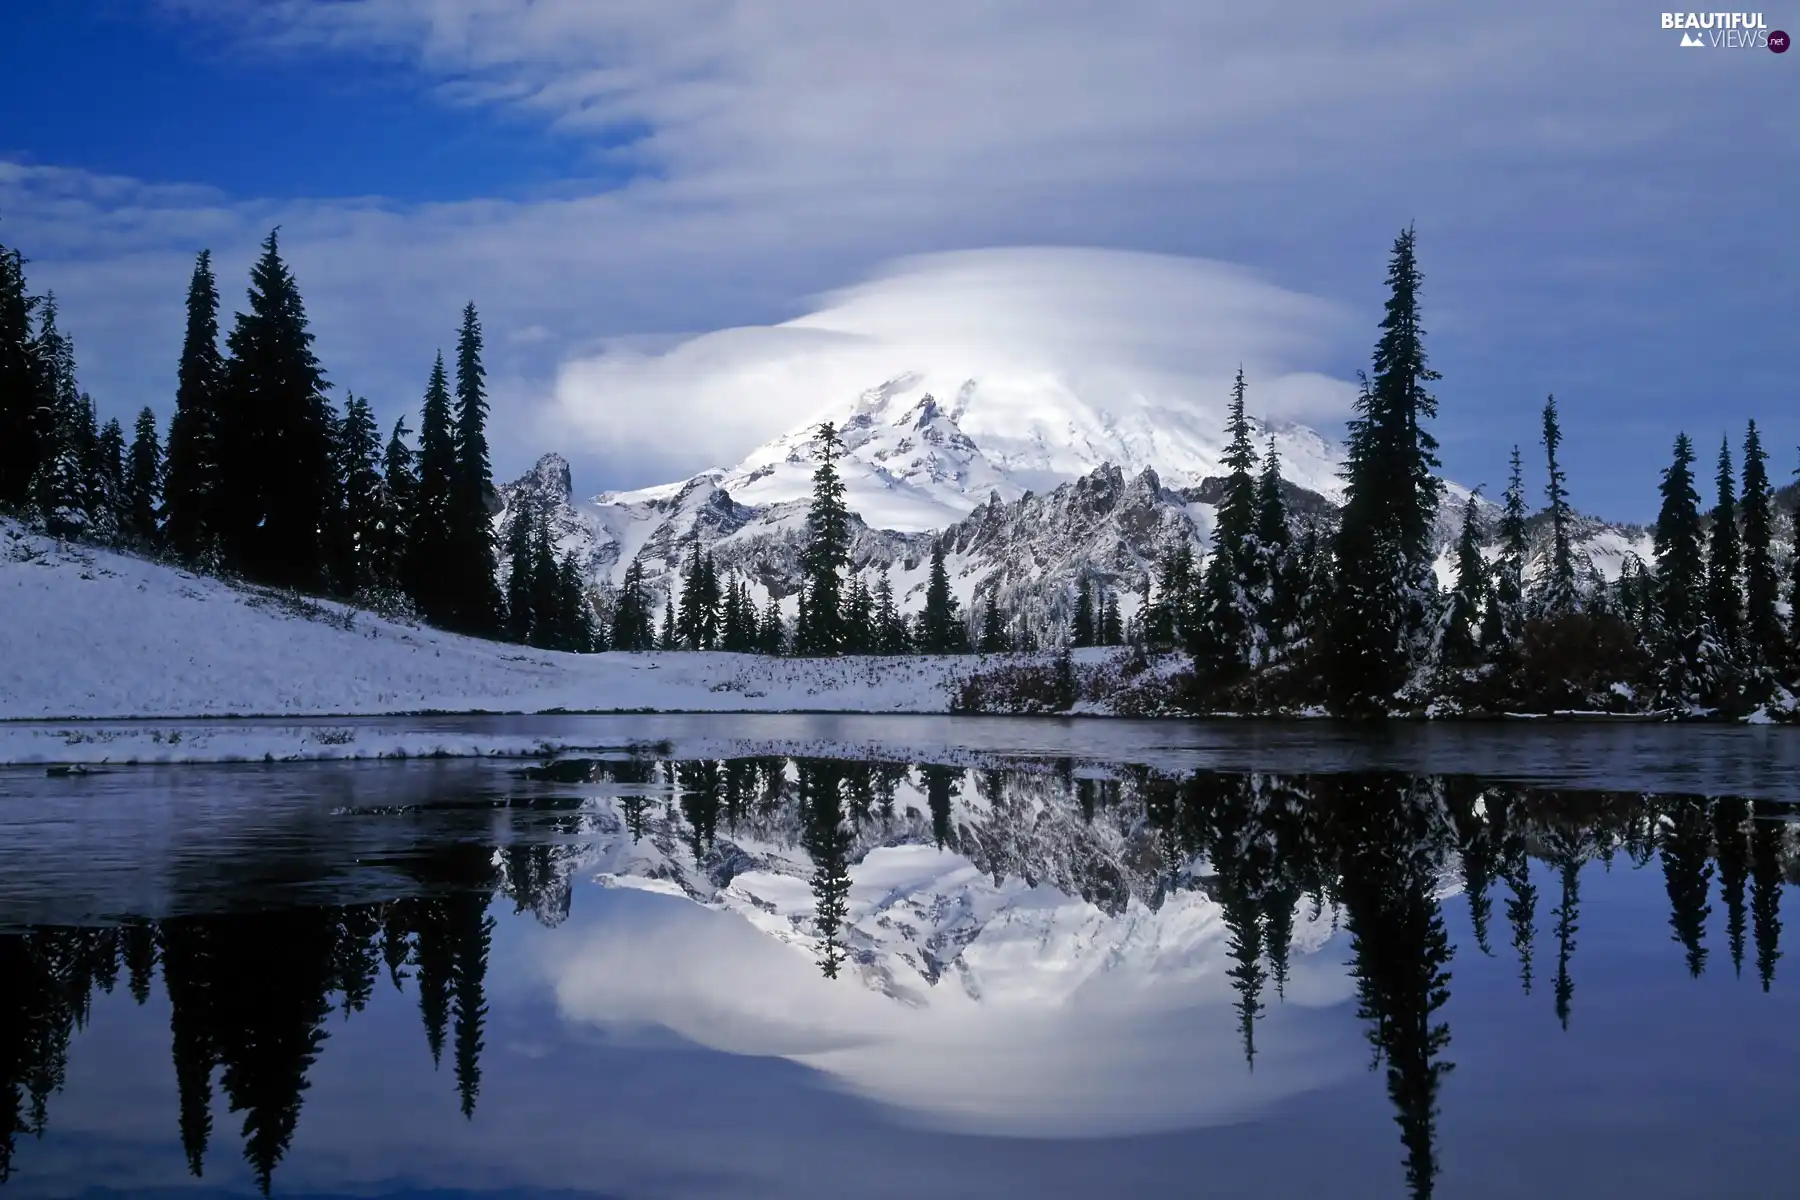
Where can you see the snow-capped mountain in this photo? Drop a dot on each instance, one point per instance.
(1029, 486)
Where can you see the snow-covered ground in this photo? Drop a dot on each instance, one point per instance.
(89, 633)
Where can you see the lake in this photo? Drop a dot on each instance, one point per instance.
(899, 957)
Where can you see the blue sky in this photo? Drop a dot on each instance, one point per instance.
(1601, 214)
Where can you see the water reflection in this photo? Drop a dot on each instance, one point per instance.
(960, 916)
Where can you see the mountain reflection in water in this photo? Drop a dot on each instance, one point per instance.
(1045, 948)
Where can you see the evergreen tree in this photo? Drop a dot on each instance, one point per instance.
(108, 503)
(670, 639)
(1558, 594)
(21, 398)
(993, 630)
(365, 501)
(192, 489)
(1225, 640)
(1459, 647)
(1383, 549)
(577, 618)
(520, 562)
(859, 619)
(1680, 580)
(59, 489)
(547, 631)
(1503, 620)
(143, 481)
(1763, 641)
(1165, 620)
(940, 628)
(771, 636)
(429, 547)
(827, 551)
(1112, 629)
(890, 626)
(632, 621)
(1081, 628)
(1724, 601)
(400, 488)
(473, 603)
(1273, 572)
(275, 425)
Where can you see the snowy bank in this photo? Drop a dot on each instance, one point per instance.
(87, 633)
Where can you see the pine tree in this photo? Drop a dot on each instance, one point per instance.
(547, 631)
(21, 416)
(631, 613)
(827, 551)
(519, 564)
(365, 496)
(1763, 642)
(993, 630)
(576, 617)
(670, 639)
(400, 485)
(1558, 594)
(859, 619)
(697, 619)
(940, 628)
(429, 548)
(890, 626)
(107, 501)
(1724, 602)
(191, 491)
(275, 426)
(1225, 638)
(1112, 629)
(1383, 548)
(1459, 646)
(1081, 628)
(1680, 579)
(1501, 624)
(771, 636)
(59, 489)
(1274, 602)
(1166, 618)
(143, 481)
(473, 603)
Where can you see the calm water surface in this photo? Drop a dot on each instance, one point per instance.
(836, 957)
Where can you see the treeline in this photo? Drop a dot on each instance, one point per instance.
(1350, 618)
(261, 477)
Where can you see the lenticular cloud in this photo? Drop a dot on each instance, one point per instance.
(1112, 327)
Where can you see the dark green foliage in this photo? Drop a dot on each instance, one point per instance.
(60, 486)
(21, 396)
(1724, 562)
(859, 619)
(1225, 639)
(1459, 647)
(1383, 548)
(1680, 582)
(826, 555)
(669, 638)
(192, 490)
(275, 430)
(429, 548)
(827, 840)
(697, 620)
(1557, 587)
(889, 626)
(108, 502)
(1112, 628)
(940, 626)
(1764, 644)
(1082, 632)
(400, 487)
(472, 600)
(365, 503)
(993, 630)
(1165, 621)
(519, 565)
(771, 635)
(633, 624)
(143, 483)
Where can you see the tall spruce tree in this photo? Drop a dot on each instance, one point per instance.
(1763, 642)
(632, 620)
(365, 501)
(1557, 594)
(59, 488)
(890, 626)
(1503, 621)
(21, 416)
(1384, 580)
(473, 603)
(1225, 637)
(191, 489)
(827, 551)
(429, 549)
(1724, 561)
(143, 481)
(400, 483)
(993, 630)
(275, 425)
(1680, 581)
(1082, 626)
(940, 628)
(1112, 627)
(1460, 647)
(1273, 573)
(107, 502)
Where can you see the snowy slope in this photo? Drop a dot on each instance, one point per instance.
(90, 633)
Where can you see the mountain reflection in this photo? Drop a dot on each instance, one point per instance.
(1280, 859)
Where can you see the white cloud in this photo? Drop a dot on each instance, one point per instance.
(1103, 325)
